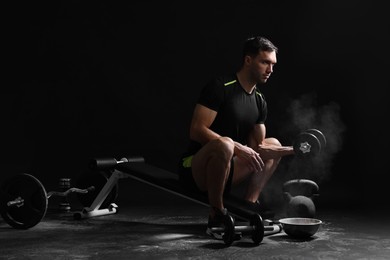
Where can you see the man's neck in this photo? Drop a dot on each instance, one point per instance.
(245, 82)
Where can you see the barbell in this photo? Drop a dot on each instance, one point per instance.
(24, 200)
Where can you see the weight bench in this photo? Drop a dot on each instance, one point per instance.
(137, 169)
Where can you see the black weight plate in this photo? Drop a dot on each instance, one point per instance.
(306, 145)
(97, 179)
(34, 206)
(229, 233)
(321, 137)
(258, 232)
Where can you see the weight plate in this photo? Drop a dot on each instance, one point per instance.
(307, 144)
(97, 179)
(33, 206)
(321, 137)
(229, 233)
(258, 232)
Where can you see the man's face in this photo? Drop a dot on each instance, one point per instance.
(262, 65)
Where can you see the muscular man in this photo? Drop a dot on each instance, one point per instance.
(228, 141)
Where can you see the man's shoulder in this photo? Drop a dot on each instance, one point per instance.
(224, 80)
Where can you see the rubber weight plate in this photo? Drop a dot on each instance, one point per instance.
(321, 137)
(97, 179)
(307, 145)
(258, 233)
(229, 233)
(33, 207)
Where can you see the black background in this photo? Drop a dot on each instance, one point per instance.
(100, 79)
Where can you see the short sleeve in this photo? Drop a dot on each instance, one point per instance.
(263, 109)
(212, 94)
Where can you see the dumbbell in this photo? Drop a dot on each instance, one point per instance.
(230, 231)
(309, 143)
(24, 201)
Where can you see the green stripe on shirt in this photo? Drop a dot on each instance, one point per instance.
(230, 82)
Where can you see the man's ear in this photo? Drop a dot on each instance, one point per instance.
(247, 59)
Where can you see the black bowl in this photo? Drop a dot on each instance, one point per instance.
(300, 227)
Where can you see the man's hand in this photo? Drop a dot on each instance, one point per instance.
(250, 156)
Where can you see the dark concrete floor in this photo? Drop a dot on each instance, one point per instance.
(154, 224)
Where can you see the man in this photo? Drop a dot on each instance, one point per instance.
(228, 141)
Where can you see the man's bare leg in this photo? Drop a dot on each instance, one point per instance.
(258, 180)
(210, 169)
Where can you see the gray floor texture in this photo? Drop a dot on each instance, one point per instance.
(154, 224)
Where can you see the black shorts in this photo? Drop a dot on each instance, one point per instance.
(186, 178)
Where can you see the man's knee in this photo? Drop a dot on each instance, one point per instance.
(220, 149)
(224, 147)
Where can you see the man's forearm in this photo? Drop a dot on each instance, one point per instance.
(269, 151)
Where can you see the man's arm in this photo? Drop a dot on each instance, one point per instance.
(200, 131)
(266, 150)
(202, 119)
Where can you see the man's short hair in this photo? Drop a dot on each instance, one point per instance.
(254, 45)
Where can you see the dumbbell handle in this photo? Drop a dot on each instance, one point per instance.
(18, 202)
(236, 228)
(71, 190)
(248, 228)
